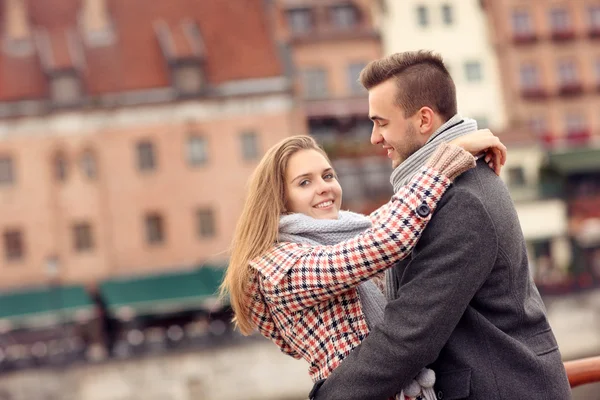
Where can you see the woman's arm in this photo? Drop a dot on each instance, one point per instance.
(299, 276)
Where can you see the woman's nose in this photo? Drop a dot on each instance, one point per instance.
(323, 187)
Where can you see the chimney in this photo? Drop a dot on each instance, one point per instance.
(16, 23)
(95, 16)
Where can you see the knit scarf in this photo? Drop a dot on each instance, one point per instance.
(452, 129)
(300, 228)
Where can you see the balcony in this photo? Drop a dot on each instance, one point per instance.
(572, 139)
(336, 107)
(563, 35)
(327, 32)
(570, 89)
(594, 32)
(534, 93)
(524, 37)
(578, 138)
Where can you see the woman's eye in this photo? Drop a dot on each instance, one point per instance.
(304, 182)
(329, 176)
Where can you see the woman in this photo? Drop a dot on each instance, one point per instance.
(298, 264)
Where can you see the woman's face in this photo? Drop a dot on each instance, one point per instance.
(311, 186)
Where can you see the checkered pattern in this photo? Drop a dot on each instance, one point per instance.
(305, 297)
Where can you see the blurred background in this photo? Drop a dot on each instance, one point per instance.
(129, 128)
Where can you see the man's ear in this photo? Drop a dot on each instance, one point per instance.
(426, 120)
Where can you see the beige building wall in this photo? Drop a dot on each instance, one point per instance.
(539, 44)
(115, 203)
(464, 40)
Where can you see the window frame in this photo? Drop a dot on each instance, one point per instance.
(145, 164)
(155, 235)
(10, 236)
(83, 237)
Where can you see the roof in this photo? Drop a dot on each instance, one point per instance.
(236, 44)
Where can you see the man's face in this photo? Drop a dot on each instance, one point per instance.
(400, 136)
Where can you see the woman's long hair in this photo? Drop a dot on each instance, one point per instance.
(257, 228)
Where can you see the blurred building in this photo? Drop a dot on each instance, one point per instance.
(129, 129)
(457, 29)
(549, 54)
(327, 44)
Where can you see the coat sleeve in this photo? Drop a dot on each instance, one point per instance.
(454, 258)
(299, 276)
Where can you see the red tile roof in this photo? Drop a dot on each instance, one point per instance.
(235, 35)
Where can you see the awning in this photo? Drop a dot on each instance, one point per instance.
(45, 307)
(576, 160)
(126, 298)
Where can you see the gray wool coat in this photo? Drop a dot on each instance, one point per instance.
(466, 307)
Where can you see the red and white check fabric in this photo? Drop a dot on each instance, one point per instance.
(304, 298)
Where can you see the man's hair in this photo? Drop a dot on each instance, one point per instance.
(422, 80)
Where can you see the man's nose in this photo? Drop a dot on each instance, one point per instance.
(376, 138)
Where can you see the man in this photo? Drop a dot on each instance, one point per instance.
(463, 304)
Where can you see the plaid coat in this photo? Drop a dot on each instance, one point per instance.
(304, 297)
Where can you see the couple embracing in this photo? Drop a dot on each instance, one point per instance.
(430, 296)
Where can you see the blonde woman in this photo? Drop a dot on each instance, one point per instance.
(300, 269)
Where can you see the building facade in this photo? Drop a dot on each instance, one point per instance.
(128, 132)
(456, 29)
(549, 53)
(327, 44)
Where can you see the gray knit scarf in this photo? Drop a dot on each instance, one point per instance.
(300, 228)
(452, 129)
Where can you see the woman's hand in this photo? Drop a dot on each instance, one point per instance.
(484, 141)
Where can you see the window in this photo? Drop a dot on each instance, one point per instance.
(88, 164)
(61, 167)
(521, 22)
(65, 89)
(559, 19)
(13, 245)
(594, 16)
(422, 16)
(516, 176)
(205, 222)
(529, 76)
(538, 125)
(145, 156)
(567, 72)
(249, 146)
(300, 20)
(82, 237)
(447, 14)
(314, 82)
(187, 78)
(353, 74)
(482, 122)
(575, 123)
(473, 71)
(154, 229)
(6, 171)
(197, 152)
(344, 16)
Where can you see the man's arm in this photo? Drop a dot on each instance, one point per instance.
(451, 262)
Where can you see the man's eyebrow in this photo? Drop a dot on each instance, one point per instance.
(376, 117)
